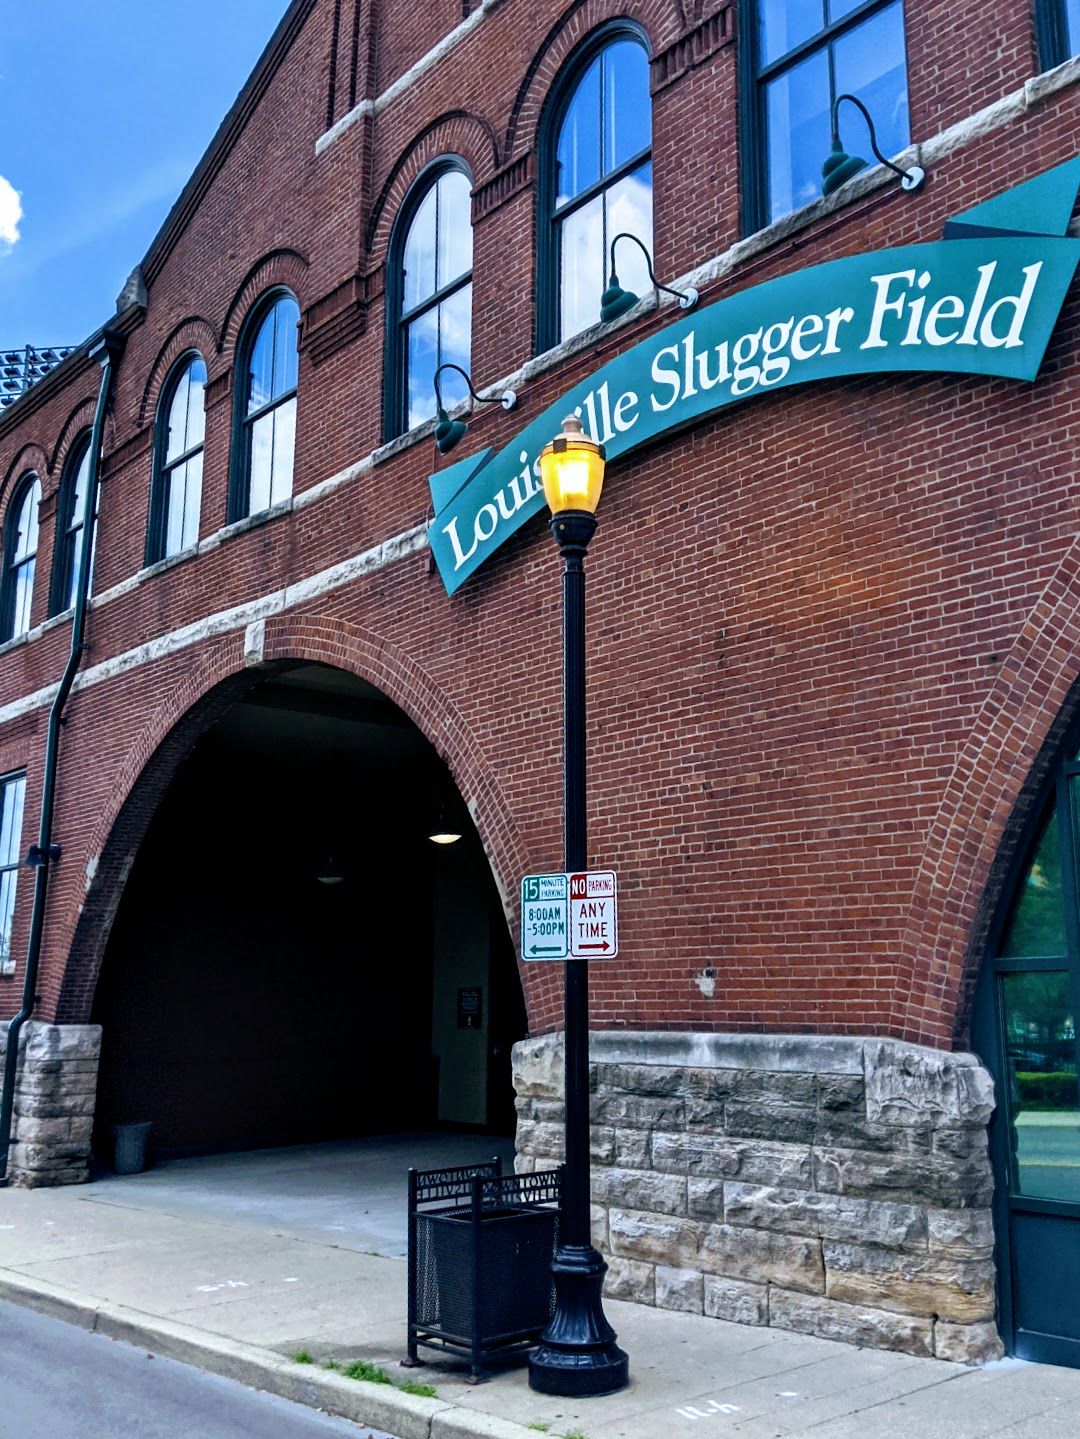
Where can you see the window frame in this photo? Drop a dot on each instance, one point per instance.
(67, 534)
(23, 488)
(1052, 34)
(753, 78)
(239, 498)
(395, 350)
(158, 512)
(563, 91)
(7, 961)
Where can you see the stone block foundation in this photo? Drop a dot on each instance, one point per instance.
(835, 1186)
(55, 1090)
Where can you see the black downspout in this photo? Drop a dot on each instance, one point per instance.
(106, 349)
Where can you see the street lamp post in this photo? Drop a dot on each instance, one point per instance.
(577, 1354)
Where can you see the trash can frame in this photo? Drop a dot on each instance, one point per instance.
(466, 1223)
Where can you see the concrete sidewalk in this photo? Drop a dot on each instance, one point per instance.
(238, 1263)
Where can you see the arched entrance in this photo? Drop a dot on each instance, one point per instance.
(1025, 1029)
(293, 958)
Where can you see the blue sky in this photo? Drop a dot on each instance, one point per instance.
(106, 109)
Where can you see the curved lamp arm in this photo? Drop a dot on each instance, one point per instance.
(508, 398)
(909, 179)
(687, 298)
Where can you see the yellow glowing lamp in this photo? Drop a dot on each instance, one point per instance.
(572, 469)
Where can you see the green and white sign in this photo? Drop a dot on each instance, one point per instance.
(982, 301)
(545, 916)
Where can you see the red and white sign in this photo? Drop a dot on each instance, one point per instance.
(594, 918)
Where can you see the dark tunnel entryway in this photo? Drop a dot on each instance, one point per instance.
(293, 959)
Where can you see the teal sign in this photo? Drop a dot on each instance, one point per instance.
(983, 301)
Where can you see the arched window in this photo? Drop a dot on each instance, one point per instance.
(178, 462)
(265, 434)
(20, 558)
(596, 157)
(430, 299)
(71, 515)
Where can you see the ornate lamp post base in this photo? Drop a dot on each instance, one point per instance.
(578, 1355)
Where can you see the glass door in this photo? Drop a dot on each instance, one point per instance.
(1030, 1003)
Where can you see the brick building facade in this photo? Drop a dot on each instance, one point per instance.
(832, 665)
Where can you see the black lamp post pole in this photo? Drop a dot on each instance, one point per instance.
(577, 1354)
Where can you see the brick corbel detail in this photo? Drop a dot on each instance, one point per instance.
(503, 186)
(693, 48)
(335, 321)
(217, 390)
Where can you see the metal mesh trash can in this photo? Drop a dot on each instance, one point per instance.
(481, 1245)
(131, 1142)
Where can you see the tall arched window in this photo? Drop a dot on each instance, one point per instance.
(20, 558)
(265, 434)
(71, 516)
(596, 181)
(178, 461)
(430, 299)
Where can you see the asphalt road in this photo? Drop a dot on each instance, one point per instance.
(58, 1382)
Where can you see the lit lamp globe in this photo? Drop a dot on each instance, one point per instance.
(572, 470)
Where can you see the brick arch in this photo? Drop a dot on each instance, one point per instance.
(207, 692)
(999, 775)
(77, 423)
(456, 133)
(192, 333)
(280, 267)
(31, 456)
(574, 26)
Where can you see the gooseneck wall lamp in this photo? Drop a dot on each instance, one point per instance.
(840, 167)
(577, 1354)
(615, 301)
(448, 431)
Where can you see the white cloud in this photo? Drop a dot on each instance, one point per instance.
(10, 214)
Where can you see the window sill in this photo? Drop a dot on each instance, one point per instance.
(7, 968)
(168, 562)
(252, 522)
(16, 640)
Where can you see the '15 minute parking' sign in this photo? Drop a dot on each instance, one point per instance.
(569, 916)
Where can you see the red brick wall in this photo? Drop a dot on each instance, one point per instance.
(829, 630)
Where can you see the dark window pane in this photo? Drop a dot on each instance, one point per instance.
(1037, 924)
(422, 359)
(454, 232)
(1040, 1045)
(196, 415)
(869, 62)
(12, 793)
(419, 255)
(261, 367)
(577, 154)
(455, 340)
(26, 525)
(581, 243)
(8, 881)
(176, 435)
(798, 133)
(837, 9)
(627, 107)
(783, 24)
(281, 469)
(23, 597)
(261, 464)
(286, 319)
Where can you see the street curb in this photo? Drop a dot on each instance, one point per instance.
(407, 1416)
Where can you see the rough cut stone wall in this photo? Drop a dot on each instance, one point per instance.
(55, 1089)
(835, 1186)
